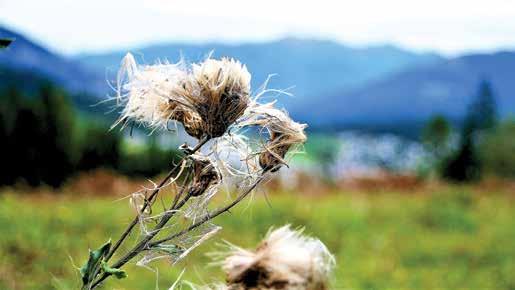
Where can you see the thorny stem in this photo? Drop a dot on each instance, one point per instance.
(148, 201)
(145, 242)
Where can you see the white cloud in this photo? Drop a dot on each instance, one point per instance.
(447, 26)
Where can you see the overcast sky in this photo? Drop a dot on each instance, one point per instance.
(446, 26)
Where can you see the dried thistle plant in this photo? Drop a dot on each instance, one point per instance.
(208, 99)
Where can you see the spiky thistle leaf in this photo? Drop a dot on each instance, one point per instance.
(93, 265)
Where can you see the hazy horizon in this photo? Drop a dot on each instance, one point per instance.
(45, 43)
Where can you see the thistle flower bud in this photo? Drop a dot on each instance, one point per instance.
(285, 259)
(224, 90)
(205, 175)
(283, 132)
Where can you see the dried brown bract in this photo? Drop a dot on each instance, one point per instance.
(284, 134)
(193, 124)
(205, 175)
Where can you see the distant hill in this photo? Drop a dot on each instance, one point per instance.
(415, 94)
(34, 62)
(311, 68)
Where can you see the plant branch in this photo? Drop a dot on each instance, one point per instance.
(144, 242)
(212, 215)
(128, 230)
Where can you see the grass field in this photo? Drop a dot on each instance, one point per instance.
(452, 239)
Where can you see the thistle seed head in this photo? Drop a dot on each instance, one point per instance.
(285, 259)
(206, 99)
(205, 175)
(283, 132)
(157, 94)
(224, 93)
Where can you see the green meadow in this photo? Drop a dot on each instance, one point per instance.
(455, 238)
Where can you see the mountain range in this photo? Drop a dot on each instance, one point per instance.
(304, 68)
(446, 87)
(33, 61)
(333, 85)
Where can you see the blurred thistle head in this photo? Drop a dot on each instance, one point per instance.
(284, 134)
(285, 259)
(205, 175)
(224, 93)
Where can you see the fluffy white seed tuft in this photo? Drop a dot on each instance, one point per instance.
(153, 94)
(285, 259)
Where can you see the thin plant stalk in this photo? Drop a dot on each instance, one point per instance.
(150, 199)
(144, 242)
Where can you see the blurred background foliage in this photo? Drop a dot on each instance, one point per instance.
(46, 141)
(455, 237)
